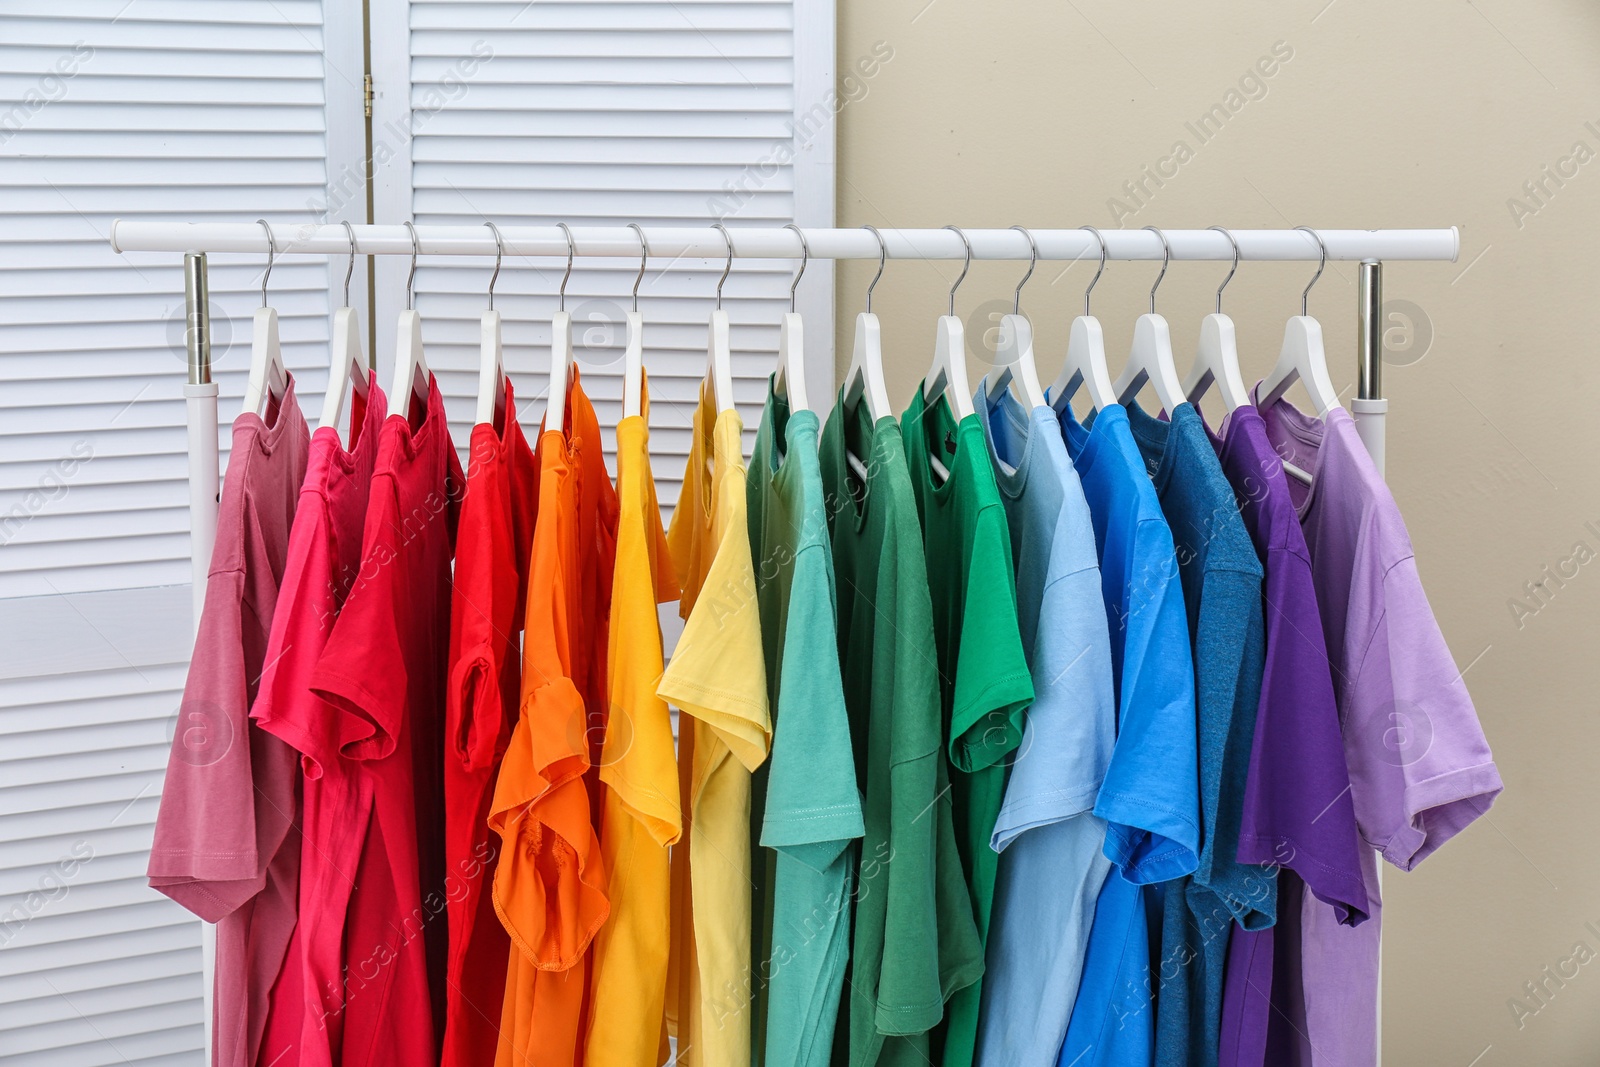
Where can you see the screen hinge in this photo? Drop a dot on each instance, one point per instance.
(366, 94)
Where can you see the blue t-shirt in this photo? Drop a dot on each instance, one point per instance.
(1221, 577)
(1048, 837)
(1150, 798)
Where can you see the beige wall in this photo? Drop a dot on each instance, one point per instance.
(1037, 112)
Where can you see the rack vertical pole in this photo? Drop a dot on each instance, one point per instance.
(200, 398)
(1369, 407)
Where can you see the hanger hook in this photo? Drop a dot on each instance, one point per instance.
(883, 254)
(805, 257)
(1315, 236)
(966, 266)
(644, 255)
(412, 277)
(729, 266)
(1231, 271)
(271, 251)
(1033, 261)
(1098, 236)
(572, 250)
(350, 233)
(1166, 258)
(499, 253)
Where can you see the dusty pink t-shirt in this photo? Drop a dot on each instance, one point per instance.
(226, 842)
(1420, 768)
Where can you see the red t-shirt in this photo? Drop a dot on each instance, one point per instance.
(304, 1025)
(382, 680)
(486, 614)
(224, 843)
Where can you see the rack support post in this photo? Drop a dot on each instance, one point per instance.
(1369, 407)
(200, 398)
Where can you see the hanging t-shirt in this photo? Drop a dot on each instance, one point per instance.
(1297, 818)
(639, 804)
(1420, 769)
(1047, 835)
(1222, 594)
(382, 680)
(1150, 798)
(915, 941)
(323, 561)
(812, 817)
(485, 673)
(718, 678)
(984, 682)
(550, 886)
(226, 842)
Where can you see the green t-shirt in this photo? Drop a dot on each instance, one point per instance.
(915, 941)
(985, 685)
(811, 816)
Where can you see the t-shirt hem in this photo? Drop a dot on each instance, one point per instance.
(727, 713)
(1475, 787)
(1340, 888)
(1040, 810)
(813, 826)
(1011, 694)
(349, 693)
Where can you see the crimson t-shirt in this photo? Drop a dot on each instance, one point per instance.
(485, 678)
(382, 680)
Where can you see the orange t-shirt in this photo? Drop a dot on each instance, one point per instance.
(550, 887)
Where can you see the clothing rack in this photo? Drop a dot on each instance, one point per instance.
(1369, 248)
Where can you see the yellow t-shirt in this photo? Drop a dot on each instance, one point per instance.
(640, 817)
(717, 677)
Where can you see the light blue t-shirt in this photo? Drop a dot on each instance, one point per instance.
(1150, 798)
(1049, 839)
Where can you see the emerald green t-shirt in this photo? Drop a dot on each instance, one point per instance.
(915, 939)
(985, 685)
(811, 816)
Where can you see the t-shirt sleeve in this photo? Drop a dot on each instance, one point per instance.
(361, 674)
(993, 688)
(813, 806)
(204, 854)
(1151, 794)
(1071, 726)
(474, 704)
(1420, 767)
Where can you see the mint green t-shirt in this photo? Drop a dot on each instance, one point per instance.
(985, 683)
(811, 818)
(915, 940)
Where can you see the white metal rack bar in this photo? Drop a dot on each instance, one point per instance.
(1368, 247)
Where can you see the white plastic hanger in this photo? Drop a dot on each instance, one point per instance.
(719, 353)
(947, 374)
(491, 353)
(864, 378)
(1085, 364)
(347, 368)
(555, 411)
(268, 377)
(789, 381)
(633, 353)
(1217, 356)
(1013, 355)
(410, 367)
(1302, 358)
(1150, 359)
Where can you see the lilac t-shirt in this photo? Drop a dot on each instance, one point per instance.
(224, 846)
(1420, 768)
(1298, 816)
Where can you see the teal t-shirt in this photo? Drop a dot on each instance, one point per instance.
(914, 941)
(812, 814)
(985, 685)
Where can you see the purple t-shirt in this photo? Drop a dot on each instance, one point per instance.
(1420, 769)
(223, 844)
(1298, 816)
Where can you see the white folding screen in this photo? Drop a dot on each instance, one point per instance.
(592, 113)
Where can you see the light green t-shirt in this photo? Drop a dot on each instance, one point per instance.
(985, 684)
(811, 817)
(915, 940)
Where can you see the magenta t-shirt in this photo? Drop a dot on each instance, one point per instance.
(1420, 768)
(1298, 817)
(224, 843)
